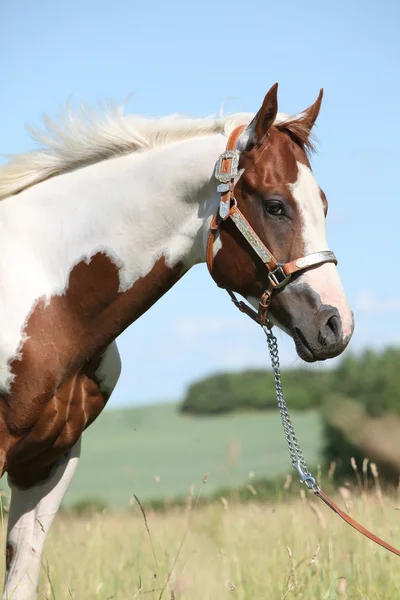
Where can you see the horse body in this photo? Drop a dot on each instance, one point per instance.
(49, 229)
(92, 250)
(88, 273)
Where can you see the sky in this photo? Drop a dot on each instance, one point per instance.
(191, 57)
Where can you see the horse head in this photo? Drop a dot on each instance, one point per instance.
(274, 195)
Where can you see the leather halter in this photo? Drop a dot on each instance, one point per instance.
(279, 274)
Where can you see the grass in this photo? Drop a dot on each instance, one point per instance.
(294, 549)
(154, 452)
(288, 546)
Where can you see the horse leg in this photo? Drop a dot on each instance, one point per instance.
(32, 509)
(31, 514)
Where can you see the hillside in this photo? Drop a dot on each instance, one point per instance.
(155, 452)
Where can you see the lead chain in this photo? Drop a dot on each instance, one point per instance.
(296, 455)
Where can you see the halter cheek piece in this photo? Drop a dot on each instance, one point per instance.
(279, 274)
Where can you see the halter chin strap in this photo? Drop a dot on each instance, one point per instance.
(279, 274)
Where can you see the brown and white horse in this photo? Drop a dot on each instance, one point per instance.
(94, 229)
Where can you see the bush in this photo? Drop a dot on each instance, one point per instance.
(361, 417)
(254, 390)
(373, 379)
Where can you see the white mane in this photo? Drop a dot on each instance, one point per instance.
(90, 136)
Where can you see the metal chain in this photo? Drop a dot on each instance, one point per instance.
(296, 455)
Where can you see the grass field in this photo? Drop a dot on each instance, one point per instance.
(154, 452)
(295, 549)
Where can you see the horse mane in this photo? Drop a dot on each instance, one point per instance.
(89, 136)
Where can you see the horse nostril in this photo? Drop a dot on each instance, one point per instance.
(331, 330)
(333, 324)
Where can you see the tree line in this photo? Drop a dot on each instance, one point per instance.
(371, 378)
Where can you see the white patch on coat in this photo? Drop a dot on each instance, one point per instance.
(135, 208)
(109, 369)
(324, 280)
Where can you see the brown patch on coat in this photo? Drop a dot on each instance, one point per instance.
(55, 393)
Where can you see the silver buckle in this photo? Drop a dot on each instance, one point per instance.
(225, 177)
(306, 478)
(278, 277)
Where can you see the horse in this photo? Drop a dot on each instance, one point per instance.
(99, 223)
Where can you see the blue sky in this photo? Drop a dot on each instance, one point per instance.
(189, 57)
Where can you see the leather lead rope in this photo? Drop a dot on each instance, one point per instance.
(296, 455)
(353, 523)
(279, 275)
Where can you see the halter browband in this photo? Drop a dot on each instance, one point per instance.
(279, 274)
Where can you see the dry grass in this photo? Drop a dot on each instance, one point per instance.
(297, 549)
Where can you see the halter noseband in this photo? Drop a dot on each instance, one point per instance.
(279, 274)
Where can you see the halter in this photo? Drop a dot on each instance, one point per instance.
(279, 274)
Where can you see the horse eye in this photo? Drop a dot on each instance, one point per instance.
(274, 207)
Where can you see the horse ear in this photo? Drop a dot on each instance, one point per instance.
(257, 130)
(310, 115)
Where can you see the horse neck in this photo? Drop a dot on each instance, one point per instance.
(178, 189)
(137, 207)
(172, 198)
(106, 241)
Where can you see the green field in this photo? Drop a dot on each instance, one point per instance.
(154, 452)
(289, 547)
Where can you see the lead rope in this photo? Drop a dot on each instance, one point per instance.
(296, 456)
